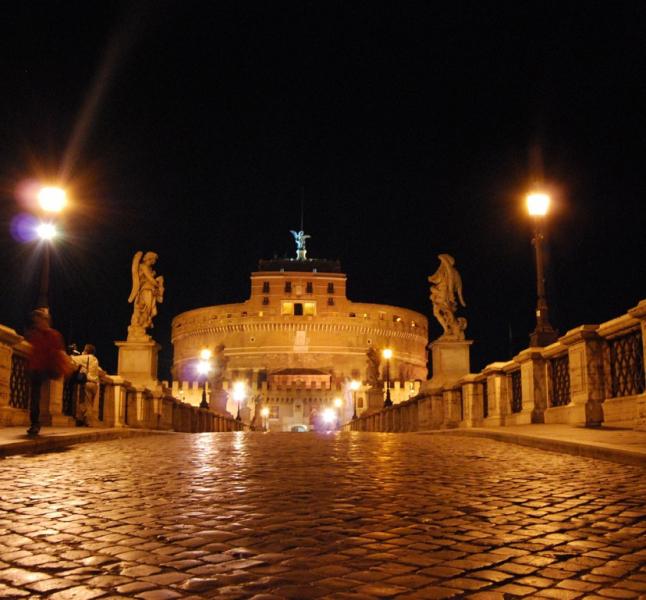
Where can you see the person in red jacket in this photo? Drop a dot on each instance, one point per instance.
(47, 360)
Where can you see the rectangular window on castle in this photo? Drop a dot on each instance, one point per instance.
(265, 287)
(309, 309)
(265, 301)
(330, 301)
(274, 412)
(330, 288)
(298, 309)
(309, 288)
(288, 287)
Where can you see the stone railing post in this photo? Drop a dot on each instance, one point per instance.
(534, 386)
(585, 353)
(497, 389)
(11, 415)
(471, 400)
(452, 402)
(639, 312)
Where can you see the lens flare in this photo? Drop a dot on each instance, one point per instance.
(23, 228)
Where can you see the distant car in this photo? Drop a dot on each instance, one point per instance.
(299, 429)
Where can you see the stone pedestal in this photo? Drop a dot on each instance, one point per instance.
(450, 360)
(138, 360)
(218, 401)
(374, 400)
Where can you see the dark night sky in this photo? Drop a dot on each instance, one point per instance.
(410, 127)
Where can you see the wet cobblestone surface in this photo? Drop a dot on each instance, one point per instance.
(348, 516)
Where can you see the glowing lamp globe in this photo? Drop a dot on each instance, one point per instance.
(46, 231)
(52, 199)
(239, 391)
(538, 204)
(329, 416)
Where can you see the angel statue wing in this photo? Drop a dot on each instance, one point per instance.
(135, 275)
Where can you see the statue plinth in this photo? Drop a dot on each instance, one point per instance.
(374, 400)
(450, 361)
(138, 359)
(218, 401)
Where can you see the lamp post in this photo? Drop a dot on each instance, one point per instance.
(203, 368)
(51, 200)
(354, 386)
(538, 206)
(264, 413)
(239, 392)
(387, 354)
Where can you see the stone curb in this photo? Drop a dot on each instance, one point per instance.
(617, 455)
(50, 443)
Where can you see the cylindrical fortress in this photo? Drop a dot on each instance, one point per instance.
(299, 322)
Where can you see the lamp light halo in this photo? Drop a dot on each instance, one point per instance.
(538, 204)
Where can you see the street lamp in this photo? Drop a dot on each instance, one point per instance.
(354, 386)
(538, 204)
(387, 353)
(203, 368)
(264, 413)
(239, 393)
(51, 200)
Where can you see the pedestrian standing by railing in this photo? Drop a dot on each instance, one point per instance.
(47, 360)
(88, 368)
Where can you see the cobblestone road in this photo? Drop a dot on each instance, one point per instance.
(247, 515)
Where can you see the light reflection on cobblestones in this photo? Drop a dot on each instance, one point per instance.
(247, 515)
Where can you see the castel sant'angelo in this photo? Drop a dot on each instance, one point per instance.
(297, 343)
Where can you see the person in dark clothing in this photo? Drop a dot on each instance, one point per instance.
(47, 360)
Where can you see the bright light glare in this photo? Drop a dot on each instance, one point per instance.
(338, 402)
(239, 390)
(52, 199)
(329, 416)
(46, 231)
(387, 353)
(203, 367)
(355, 385)
(538, 204)
(264, 412)
(205, 354)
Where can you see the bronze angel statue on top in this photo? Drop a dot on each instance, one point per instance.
(147, 290)
(299, 238)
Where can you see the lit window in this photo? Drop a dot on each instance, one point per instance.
(309, 309)
(287, 308)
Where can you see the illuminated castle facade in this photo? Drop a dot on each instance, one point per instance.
(297, 342)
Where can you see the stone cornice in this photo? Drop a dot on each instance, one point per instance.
(579, 334)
